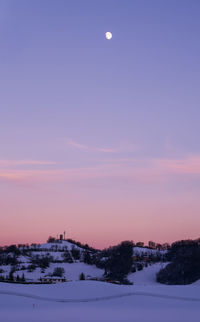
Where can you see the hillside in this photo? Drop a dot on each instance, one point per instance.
(41, 260)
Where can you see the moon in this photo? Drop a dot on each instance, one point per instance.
(108, 35)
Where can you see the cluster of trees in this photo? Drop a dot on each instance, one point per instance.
(75, 254)
(10, 249)
(184, 266)
(51, 239)
(9, 255)
(12, 278)
(116, 261)
(41, 261)
(72, 241)
(67, 258)
(120, 261)
(83, 246)
(8, 259)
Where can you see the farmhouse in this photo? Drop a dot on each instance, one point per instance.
(52, 279)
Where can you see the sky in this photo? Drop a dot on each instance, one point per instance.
(99, 138)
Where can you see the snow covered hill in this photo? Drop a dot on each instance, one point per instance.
(67, 255)
(56, 246)
(56, 253)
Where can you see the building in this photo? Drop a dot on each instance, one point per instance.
(52, 279)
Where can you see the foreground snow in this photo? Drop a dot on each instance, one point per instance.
(145, 302)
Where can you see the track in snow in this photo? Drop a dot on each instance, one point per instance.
(103, 298)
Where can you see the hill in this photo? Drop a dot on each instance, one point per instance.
(69, 259)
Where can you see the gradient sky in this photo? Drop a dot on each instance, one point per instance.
(99, 138)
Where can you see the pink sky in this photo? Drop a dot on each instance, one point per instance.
(101, 205)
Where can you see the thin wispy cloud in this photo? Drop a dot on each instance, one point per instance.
(188, 165)
(15, 163)
(124, 169)
(77, 145)
(83, 147)
(29, 176)
(106, 150)
(122, 148)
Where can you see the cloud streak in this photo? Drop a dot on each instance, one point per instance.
(151, 171)
(82, 147)
(77, 145)
(15, 163)
(189, 165)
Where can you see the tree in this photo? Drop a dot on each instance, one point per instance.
(51, 239)
(58, 271)
(11, 277)
(41, 261)
(87, 258)
(82, 277)
(67, 257)
(13, 249)
(31, 267)
(23, 278)
(75, 253)
(120, 261)
(133, 269)
(185, 264)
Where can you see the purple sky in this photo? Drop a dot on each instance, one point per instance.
(99, 138)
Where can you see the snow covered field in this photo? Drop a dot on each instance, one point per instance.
(80, 301)
(73, 271)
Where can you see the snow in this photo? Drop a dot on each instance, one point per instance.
(72, 271)
(60, 245)
(145, 301)
(23, 259)
(144, 304)
(56, 251)
(147, 276)
(56, 255)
